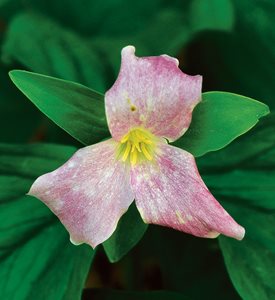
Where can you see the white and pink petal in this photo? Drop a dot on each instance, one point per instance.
(170, 192)
(89, 193)
(151, 92)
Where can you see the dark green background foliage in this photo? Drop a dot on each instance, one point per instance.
(77, 45)
(37, 262)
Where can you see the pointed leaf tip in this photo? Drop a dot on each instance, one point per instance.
(218, 119)
(75, 108)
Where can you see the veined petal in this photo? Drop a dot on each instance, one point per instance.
(89, 193)
(170, 192)
(151, 92)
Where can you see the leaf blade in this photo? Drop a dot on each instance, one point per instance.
(218, 119)
(130, 226)
(75, 108)
(246, 188)
(31, 236)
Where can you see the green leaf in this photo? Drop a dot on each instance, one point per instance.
(218, 120)
(244, 182)
(37, 260)
(233, 172)
(129, 231)
(54, 51)
(242, 61)
(74, 107)
(233, 156)
(251, 262)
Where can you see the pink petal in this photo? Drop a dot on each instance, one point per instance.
(89, 193)
(151, 92)
(170, 192)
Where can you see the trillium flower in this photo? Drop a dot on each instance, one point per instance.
(150, 103)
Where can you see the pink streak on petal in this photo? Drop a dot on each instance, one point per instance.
(170, 192)
(89, 193)
(163, 97)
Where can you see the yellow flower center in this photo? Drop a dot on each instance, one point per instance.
(136, 146)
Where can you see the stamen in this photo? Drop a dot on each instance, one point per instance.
(127, 151)
(125, 138)
(145, 152)
(140, 146)
(148, 142)
(139, 135)
(136, 144)
(133, 158)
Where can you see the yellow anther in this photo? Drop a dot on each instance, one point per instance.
(127, 151)
(133, 158)
(145, 152)
(139, 135)
(148, 142)
(125, 138)
(136, 146)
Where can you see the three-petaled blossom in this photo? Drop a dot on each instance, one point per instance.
(151, 102)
